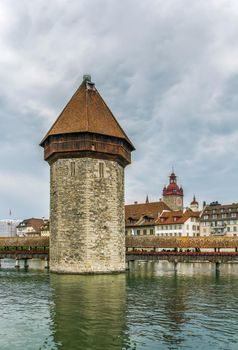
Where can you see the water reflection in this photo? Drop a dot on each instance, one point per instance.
(152, 307)
(89, 311)
(183, 309)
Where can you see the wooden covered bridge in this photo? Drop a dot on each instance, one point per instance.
(24, 248)
(174, 249)
(217, 249)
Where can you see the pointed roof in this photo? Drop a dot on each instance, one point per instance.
(172, 188)
(87, 112)
(194, 201)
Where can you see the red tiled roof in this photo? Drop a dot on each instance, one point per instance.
(87, 112)
(32, 222)
(172, 189)
(194, 201)
(176, 217)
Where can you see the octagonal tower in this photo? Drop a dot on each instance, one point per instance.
(87, 151)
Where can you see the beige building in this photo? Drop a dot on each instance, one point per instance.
(180, 223)
(219, 220)
(30, 227)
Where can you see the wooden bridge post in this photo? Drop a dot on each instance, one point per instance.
(46, 263)
(17, 264)
(26, 263)
(218, 263)
(175, 265)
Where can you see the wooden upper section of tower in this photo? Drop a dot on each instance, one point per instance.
(87, 128)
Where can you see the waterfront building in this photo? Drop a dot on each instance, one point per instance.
(140, 218)
(87, 151)
(30, 227)
(173, 194)
(8, 227)
(219, 219)
(181, 223)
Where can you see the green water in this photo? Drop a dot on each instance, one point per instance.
(150, 307)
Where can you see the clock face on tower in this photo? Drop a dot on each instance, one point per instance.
(178, 202)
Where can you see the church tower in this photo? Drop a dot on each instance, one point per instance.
(194, 205)
(173, 194)
(87, 151)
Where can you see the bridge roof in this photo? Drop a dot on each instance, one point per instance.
(24, 241)
(181, 242)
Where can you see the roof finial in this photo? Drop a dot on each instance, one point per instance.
(87, 77)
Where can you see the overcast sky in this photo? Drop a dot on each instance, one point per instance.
(167, 69)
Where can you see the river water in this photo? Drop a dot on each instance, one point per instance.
(149, 307)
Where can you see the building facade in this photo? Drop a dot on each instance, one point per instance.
(87, 151)
(219, 220)
(178, 223)
(30, 227)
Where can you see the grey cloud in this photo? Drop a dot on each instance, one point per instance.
(168, 71)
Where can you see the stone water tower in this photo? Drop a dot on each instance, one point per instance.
(87, 151)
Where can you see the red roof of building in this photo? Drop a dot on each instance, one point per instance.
(87, 112)
(36, 224)
(172, 188)
(194, 201)
(176, 217)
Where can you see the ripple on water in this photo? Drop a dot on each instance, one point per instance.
(149, 308)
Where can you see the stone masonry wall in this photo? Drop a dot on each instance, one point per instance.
(87, 216)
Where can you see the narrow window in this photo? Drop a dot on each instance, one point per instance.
(101, 170)
(72, 168)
